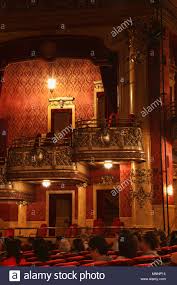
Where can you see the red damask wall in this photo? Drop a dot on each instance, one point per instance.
(36, 211)
(9, 212)
(24, 97)
(125, 204)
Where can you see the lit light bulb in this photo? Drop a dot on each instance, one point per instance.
(46, 183)
(51, 84)
(170, 190)
(108, 164)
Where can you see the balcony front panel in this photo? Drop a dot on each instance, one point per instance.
(119, 143)
(46, 161)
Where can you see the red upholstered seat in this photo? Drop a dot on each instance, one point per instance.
(54, 251)
(85, 261)
(121, 262)
(96, 263)
(88, 256)
(30, 259)
(173, 248)
(112, 252)
(166, 258)
(68, 264)
(70, 254)
(143, 265)
(28, 251)
(164, 250)
(84, 252)
(75, 258)
(55, 261)
(145, 259)
(55, 256)
(29, 254)
(34, 263)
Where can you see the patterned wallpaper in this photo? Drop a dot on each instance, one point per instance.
(8, 212)
(125, 205)
(36, 211)
(24, 97)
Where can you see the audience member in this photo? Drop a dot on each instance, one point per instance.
(64, 244)
(115, 245)
(41, 249)
(128, 244)
(13, 256)
(173, 238)
(162, 238)
(138, 234)
(150, 243)
(99, 248)
(78, 245)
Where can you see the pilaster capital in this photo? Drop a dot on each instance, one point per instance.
(82, 185)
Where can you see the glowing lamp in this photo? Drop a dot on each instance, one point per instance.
(170, 190)
(46, 183)
(51, 84)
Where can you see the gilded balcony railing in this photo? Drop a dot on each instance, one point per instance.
(40, 158)
(115, 139)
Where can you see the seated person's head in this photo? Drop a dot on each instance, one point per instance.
(149, 242)
(128, 244)
(13, 249)
(41, 251)
(162, 237)
(78, 245)
(98, 247)
(173, 238)
(65, 245)
(139, 238)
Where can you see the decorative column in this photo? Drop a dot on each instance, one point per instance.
(22, 214)
(82, 204)
(132, 64)
(142, 211)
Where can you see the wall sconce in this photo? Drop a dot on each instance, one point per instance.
(51, 84)
(108, 164)
(46, 183)
(170, 190)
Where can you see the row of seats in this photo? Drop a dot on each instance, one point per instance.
(84, 259)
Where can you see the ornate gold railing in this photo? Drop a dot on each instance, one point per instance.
(99, 141)
(40, 162)
(37, 158)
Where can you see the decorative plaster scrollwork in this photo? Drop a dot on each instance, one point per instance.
(141, 196)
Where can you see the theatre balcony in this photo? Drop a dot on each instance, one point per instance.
(102, 140)
(32, 159)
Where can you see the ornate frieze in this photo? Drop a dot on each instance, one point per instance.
(40, 157)
(61, 102)
(106, 180)
(11, 194)
(121, 143)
